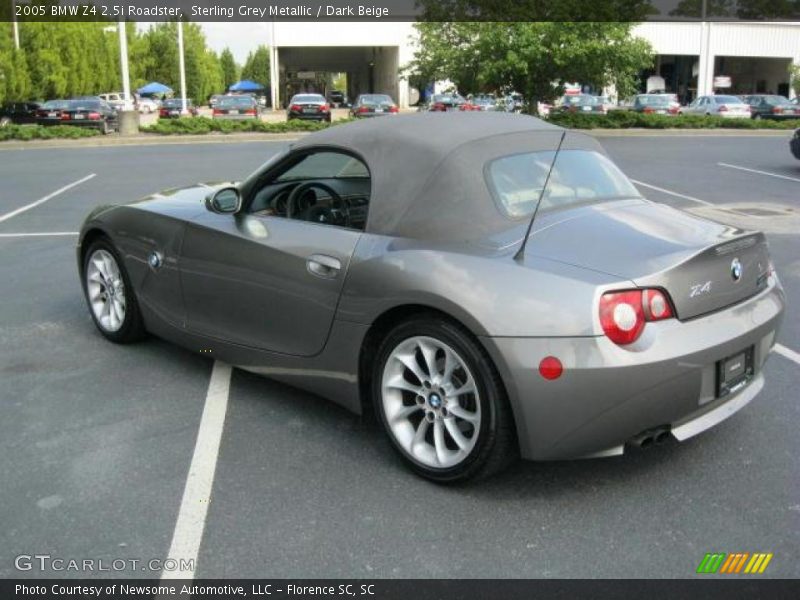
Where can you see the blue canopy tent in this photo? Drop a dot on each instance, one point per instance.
(246, 86)
(154, 88)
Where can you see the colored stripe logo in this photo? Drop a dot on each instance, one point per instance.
(734, 563)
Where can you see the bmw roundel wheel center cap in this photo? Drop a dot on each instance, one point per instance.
(435, 400)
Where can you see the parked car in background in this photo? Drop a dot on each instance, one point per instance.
(236, 108)
(729, 107)
(117, 100)
(311, 107)
(659, 104)
(794, 144)
(212, 102)
(514, 102)
(445, 102)
(337, 98)
(483, 102)
(88, 111)
(373, 105)
(148, 105)
(581, 103)
(18, 113)
(795, 100)
(771, 106)
(171, 108)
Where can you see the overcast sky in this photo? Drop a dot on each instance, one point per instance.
(241, 38)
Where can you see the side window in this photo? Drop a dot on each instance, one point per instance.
(324, 187)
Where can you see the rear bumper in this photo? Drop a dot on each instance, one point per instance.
(607, 394)
(310, 117)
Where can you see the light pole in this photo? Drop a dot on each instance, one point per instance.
(14, 23)
(183, 67)
(123, 61)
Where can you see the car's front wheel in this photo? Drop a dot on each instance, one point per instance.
(441, 401)
(109, 294)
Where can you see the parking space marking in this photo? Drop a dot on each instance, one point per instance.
(671, 193)
(37, 234)
(777, 175)
(22, 209)
(197, 494)
(787, 353)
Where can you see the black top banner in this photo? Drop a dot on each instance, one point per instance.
(400, 10)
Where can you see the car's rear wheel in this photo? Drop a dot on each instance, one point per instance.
(441, 401)
(109, 294)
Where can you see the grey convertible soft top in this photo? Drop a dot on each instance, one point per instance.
(427, 169)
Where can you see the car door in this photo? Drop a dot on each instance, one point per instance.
(264, 281)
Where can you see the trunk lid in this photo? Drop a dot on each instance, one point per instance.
(703, 265)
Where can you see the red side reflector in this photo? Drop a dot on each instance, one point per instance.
(550, 368)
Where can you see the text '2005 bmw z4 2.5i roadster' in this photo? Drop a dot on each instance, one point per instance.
(489, 285)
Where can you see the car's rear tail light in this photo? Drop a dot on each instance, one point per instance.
(438, 106)
(723, 108)
(94, 116)
(324, 108)
(65, 116)
(295, 108)
(393, 109)
(252, 111)
(624, 314)
(362, 109)
(648, 110)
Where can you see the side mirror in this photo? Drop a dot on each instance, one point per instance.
(225, 201)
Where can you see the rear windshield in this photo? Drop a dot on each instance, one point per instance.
(308, 98)
(653, 100)
(235, 101)
(579, 177)
(727, 100)
(581, 100)
(376, 99)
(174, 103)
(84, 104)
(59, 104)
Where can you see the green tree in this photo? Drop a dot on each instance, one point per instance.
(256, 67)
(535, 59)
(230, 70)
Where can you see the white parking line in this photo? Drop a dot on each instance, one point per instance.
(676, 194)
(22, 209)
(197, 493)
(778, 175)
(37, 234)
(787, 353)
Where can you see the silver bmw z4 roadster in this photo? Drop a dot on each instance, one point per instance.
(489, 285)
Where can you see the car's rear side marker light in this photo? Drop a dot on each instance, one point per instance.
(550, 368)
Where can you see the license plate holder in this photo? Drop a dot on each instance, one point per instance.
(734, 372)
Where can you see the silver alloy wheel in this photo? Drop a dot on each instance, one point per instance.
(106, 290)
(431, 402)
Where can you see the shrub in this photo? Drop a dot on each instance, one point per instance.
(202, 125)
(625, 119)
(39, 132)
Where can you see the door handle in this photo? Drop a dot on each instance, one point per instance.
(324, 266)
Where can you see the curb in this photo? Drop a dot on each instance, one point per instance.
(145, 139)
(687, 132)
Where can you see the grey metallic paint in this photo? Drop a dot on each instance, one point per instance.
(239, 285)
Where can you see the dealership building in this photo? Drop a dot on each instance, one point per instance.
(693, 58)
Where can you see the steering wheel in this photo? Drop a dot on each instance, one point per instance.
(320, 214)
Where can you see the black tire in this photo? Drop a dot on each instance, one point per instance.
(104, 129)
(132, 329)
(497, 445)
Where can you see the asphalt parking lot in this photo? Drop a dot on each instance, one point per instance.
(98, 439)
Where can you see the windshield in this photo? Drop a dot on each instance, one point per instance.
(579, 177)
